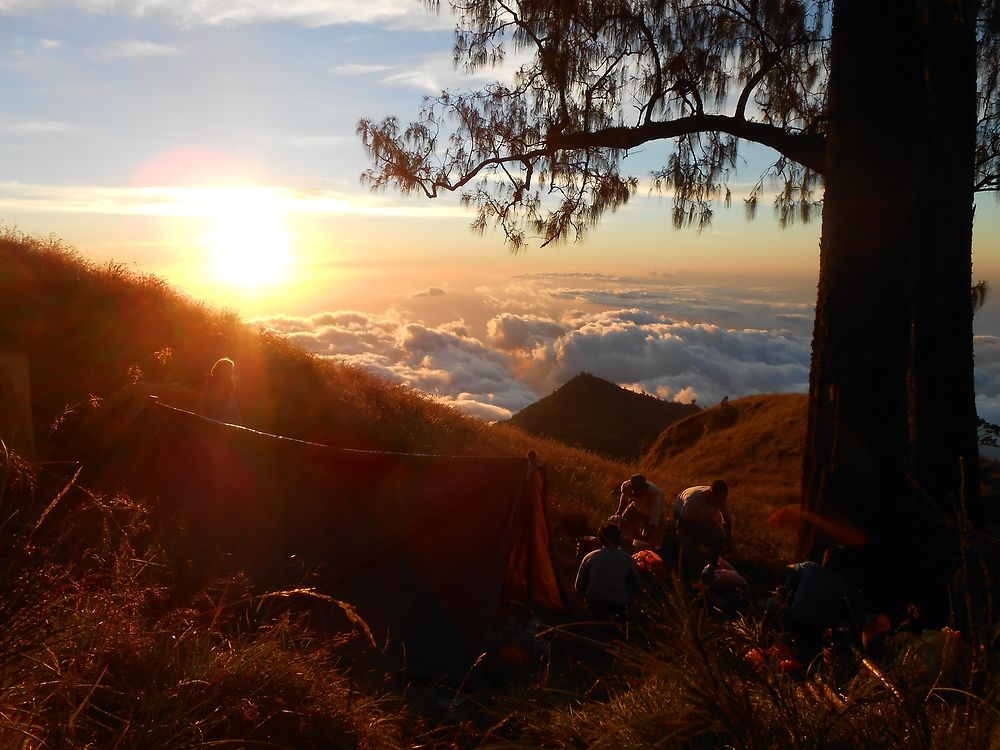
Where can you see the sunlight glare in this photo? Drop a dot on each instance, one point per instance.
(250, 246)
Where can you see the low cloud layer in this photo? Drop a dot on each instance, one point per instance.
(524, 352)
(685, 342)
(987, 373)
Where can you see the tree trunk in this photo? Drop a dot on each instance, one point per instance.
(892, 420)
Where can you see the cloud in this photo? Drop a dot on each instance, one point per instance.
(431, 291)
(518, 357)
(437, 72)
(769, 308)
(664, 356)
(444, 361)
(509, 332)
(132, 49)
(308, 13)
(38, 127)
(358, 69)
(987, 377)
(469, 405)
(523, 356)
(195, 201)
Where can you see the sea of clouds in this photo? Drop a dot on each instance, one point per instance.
(678, 341)
(526, 335)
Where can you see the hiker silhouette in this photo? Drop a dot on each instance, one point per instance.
(219, 392)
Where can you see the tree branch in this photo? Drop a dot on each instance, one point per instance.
(808, 149)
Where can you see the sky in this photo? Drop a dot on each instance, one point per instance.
(212, 142)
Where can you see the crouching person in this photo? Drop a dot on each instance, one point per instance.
(608, 579)
(704, 521)
(640, 506)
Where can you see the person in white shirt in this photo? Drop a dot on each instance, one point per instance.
(640, 506)
(608, 578)
(704, 519)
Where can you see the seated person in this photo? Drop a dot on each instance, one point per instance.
(820, 597)
(608, 579)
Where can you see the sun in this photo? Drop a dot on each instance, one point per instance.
(249, 245)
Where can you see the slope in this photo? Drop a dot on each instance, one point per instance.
(756, 444)
(597, 415)
(91, 330)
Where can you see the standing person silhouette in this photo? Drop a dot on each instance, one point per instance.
(219, 392)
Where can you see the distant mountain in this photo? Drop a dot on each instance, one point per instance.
(597, 415)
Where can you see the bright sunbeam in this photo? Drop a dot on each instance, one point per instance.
(247, 240)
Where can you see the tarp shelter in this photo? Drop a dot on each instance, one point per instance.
(15, 404)
(103, 427)
(426, 547)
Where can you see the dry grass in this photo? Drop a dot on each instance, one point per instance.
(756, 445)
(94, 655)
(686, 682)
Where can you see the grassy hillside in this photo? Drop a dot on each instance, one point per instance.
(597, 415)
(754, 443)
(88, 330)
(91, 330)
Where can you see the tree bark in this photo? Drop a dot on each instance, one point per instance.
(892, 422)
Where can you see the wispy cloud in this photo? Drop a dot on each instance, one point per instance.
(202, 201)
(437, 72)
(41, 127)
(308, 13)
(358, 69)
(135, 49)
(432, 291)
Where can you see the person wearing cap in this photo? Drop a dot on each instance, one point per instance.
(640, 506)
(608, 578)
(704, 519)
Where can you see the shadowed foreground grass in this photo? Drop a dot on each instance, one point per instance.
(95, 655)
(687, 680)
